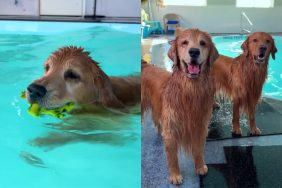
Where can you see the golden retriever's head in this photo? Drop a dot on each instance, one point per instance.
(70, 76)
(192, 51)
(259, 46)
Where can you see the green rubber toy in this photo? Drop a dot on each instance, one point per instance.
(36, 111)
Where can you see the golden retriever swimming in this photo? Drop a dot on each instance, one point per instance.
(71, 75)
(181, 102)
(242, 78)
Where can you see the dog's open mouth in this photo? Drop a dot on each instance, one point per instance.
(193, 70)
(259, 58)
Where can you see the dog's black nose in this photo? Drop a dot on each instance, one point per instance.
(194, 52)
(262, 48)
(36, 91)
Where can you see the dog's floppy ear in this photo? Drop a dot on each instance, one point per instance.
(245, 47)
(213, 55)
(106, 95)
(108, 99)
(273, 50)
(172, 52)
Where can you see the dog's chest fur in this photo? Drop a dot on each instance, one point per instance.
(188, 101)
(249, 78)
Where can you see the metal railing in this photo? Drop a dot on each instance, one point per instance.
(244, 29)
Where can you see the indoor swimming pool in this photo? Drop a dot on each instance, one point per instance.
(79, 151)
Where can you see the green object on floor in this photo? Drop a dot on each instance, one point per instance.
(154, 27)
(36, 111)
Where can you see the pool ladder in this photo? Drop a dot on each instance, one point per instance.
(244, 29)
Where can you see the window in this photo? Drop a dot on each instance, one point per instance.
(186, 2)
(255, 3)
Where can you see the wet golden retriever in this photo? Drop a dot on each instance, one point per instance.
(71, 75)
(242, 78)
(181, 102)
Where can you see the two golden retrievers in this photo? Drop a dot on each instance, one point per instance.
(181, 102)
(71, 75)
(242, 78)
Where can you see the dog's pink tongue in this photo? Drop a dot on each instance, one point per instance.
(193, 69)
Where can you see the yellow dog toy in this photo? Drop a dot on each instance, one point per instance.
(35, 110)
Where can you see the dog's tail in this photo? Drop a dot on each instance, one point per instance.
(145, 92)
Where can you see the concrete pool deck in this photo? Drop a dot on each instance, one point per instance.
(154, 168)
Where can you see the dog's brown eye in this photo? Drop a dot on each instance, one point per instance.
(69, 74)
(184, 43)
(255, 40)
(267, 41)
(46, 68)
(202, 43)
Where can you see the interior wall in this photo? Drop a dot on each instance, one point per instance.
(61, 7)
(218, 17)
(119, 8)
(89, 11)
(110, 8)
(70, 7)
(19, 7)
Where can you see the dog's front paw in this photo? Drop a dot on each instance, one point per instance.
(255, 132)
(176, 179)
(202, 171)
(236, 132)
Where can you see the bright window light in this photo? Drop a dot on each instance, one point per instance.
(186, 2)
(255, 3)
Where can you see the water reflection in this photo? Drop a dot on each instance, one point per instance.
(32, 159)
(239, 170)
(104, 126)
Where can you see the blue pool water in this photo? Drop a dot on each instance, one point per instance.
(79, 151)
